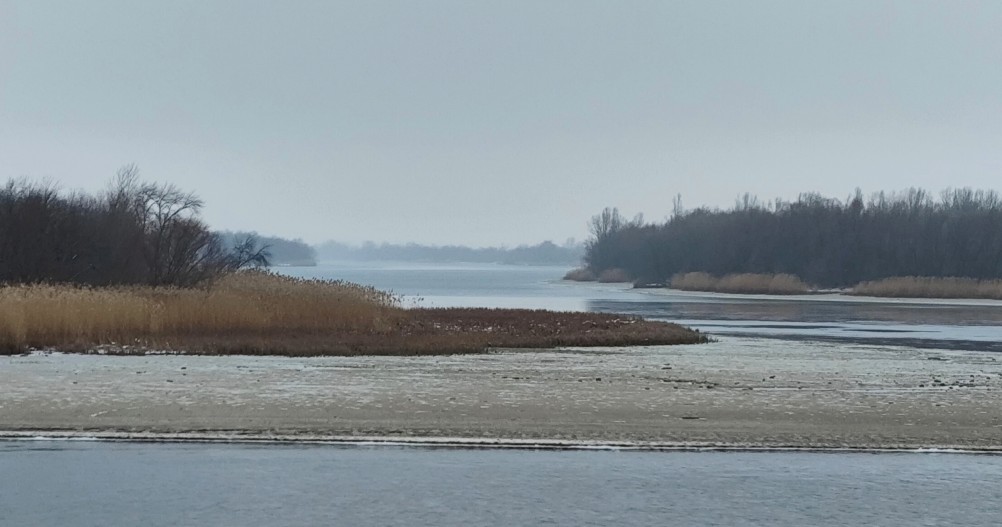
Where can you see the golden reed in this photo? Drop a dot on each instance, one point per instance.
(746, 283)
(930, 287)
(36, 316)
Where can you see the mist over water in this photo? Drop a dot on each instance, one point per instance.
(470, 285)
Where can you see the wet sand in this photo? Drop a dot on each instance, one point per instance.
(739, 392)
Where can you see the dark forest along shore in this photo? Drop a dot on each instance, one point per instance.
(84, 484)
(823, 241)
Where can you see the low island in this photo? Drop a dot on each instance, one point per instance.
(254, 312)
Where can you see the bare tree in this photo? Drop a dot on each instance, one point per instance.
(169, 220)
(249, 252)
(606, 223)
(134, 232)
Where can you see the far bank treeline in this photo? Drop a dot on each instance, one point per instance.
(824, 241)
(545, 253)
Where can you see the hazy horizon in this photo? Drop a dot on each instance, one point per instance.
(489, 124)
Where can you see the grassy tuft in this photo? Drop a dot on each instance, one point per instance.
(747, 283)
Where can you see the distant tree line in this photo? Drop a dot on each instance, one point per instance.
(545, 253)
(282, 251)
(133, 233)
(825, 241)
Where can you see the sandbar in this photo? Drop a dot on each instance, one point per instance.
(735, 393)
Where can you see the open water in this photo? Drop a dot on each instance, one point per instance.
(974, 325)
(72, 483)
(82, 483)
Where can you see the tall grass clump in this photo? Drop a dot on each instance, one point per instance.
(40, 315)
(744, 283)
(930, 287)
(694, 282)
(248, 302)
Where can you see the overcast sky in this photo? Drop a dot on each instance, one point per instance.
(503, 122)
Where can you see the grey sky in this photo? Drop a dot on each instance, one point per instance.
(498, 122)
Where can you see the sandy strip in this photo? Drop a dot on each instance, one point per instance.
(260, 438)
(737, 393)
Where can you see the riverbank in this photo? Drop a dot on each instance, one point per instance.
(736, 393)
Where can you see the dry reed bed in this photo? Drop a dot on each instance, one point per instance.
(581, 274)
(746, 283)
(930, 287)
(261, 313)
(584, 274)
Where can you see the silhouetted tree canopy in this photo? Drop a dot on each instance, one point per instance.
(134, 233)
(281, 251)
(824, 241)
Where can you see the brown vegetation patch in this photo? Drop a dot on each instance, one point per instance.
(260, 313)
(614, 276)
(745, 283)
(581, 274)
(930, 287)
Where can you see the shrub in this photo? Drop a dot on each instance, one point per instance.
(581, 274)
